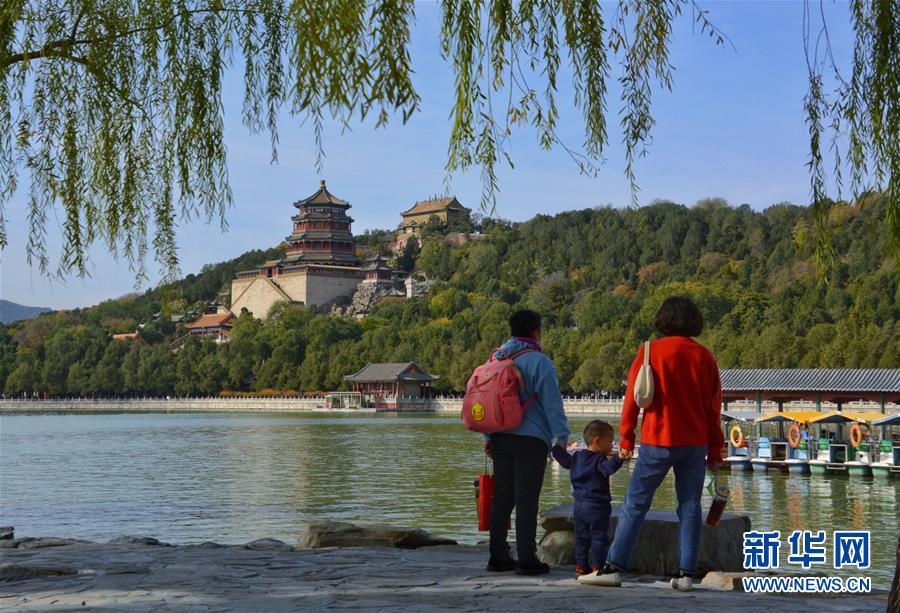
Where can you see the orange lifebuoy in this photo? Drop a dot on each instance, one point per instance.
(737, 440)
(856, 435)
(794, 431)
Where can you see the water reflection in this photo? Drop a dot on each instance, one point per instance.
(232, 478)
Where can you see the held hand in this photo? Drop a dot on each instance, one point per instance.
(487, 448)
(625, 454)
(713, 463)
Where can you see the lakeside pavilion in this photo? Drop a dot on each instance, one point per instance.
(836, 385)
(396, 379)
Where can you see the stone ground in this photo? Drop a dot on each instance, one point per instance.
(134, 577)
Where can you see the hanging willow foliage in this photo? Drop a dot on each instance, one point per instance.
(862, 112)
(114, 108)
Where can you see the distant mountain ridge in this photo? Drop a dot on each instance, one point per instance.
(10, 311)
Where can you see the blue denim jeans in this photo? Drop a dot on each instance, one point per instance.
(591, 532)
(653, 463)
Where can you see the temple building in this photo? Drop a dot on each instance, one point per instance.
(214, 326)
(379, 382)
(446, 209)
(320, 266)
(377, 270)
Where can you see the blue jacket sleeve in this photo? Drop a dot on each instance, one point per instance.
(607, 467)
(549, 396)
(562, 456)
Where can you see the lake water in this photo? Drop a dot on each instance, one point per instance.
(187, 478)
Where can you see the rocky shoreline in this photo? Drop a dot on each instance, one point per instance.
(402, 568)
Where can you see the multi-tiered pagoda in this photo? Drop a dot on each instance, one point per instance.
(322, 231)
(319, 268)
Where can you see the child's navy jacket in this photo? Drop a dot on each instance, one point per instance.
(589, 471)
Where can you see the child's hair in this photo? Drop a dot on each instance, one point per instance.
(596, 428)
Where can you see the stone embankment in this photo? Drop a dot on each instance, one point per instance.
(573, 406)
(399, 569)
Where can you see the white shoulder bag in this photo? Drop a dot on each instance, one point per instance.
(643, 385)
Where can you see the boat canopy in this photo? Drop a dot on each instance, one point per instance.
(835, 417)
(890, 420)
(740, 415)
(802, 417)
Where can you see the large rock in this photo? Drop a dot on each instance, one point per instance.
(18, 572)
(268, 544)
(343, 534)
(656, 551)
(364, 299)
(41, 543)
(557, 548)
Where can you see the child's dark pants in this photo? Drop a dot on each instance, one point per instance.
(591, 532)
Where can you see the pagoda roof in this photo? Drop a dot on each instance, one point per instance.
(314, 257)
(434, 205)
(322, 196)
(211, 320)
(321, 235)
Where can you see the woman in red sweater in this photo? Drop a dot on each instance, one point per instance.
(680, 431)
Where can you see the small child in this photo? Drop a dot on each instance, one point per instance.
(590, 471)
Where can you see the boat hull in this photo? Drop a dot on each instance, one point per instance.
(758, 465)
(797, 467)
(738, 463)
(858, 469)
(883, 470)
(817, 467)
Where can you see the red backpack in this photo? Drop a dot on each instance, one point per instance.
(492, 403)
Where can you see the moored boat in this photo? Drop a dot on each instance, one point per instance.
(737, 458)
(784, 453)
(839, 454)
(886, 464)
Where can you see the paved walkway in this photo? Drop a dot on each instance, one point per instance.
(215, 578)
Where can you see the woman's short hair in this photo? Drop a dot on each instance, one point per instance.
(524, 323)
(679, 316)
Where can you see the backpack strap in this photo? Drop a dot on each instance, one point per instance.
(533, 398)
(508, 356)
(521, 351)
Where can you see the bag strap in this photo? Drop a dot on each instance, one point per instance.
(508, 356)
(646, 353)
(521, 351)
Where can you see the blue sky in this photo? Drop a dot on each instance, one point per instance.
(732, 127)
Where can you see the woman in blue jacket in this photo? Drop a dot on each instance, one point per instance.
(520, 454)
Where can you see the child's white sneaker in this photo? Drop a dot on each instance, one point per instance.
(605, 577)
(682, 584)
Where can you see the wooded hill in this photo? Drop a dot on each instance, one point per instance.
(597, 276)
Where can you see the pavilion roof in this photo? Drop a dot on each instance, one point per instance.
(434, 205)
(390, 372)
(211, 320)
(322, 196)
(843, 380)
